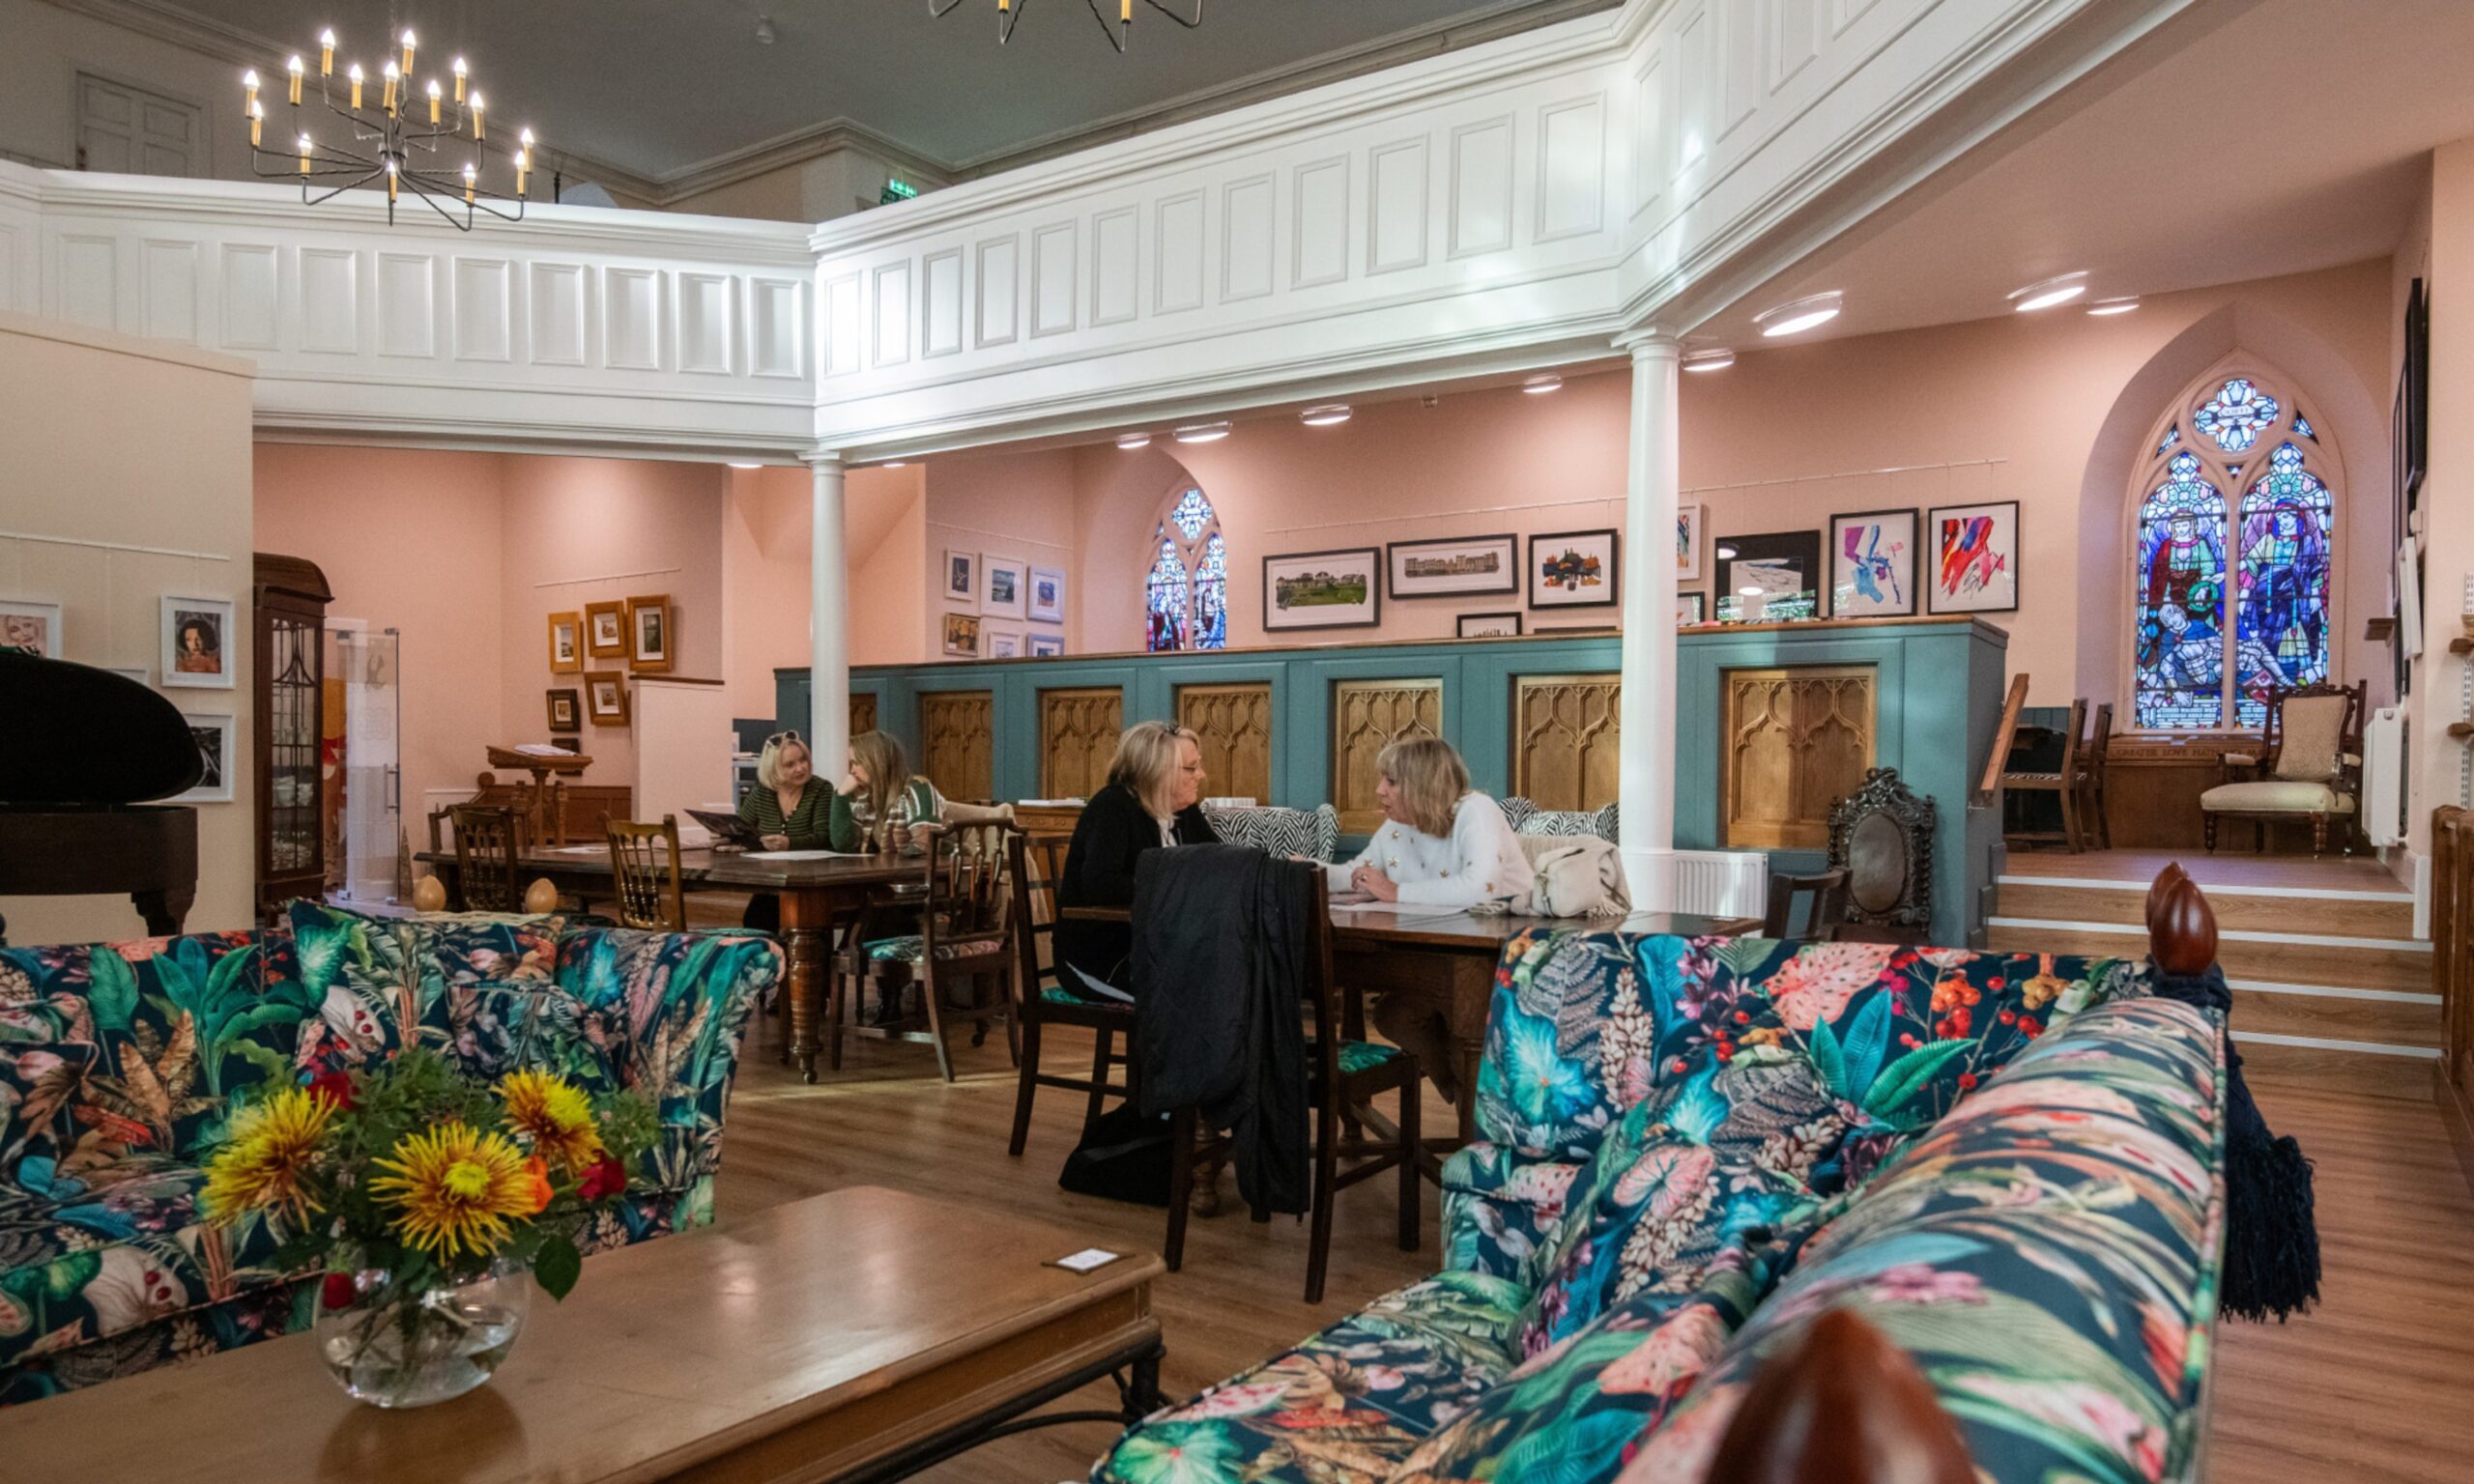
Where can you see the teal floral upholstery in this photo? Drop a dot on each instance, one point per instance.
(910, 947)
(121, 1065)
(1358, 1056)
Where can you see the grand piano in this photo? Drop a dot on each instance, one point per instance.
(82, 751)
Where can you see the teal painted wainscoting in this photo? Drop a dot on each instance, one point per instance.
(1938, 694)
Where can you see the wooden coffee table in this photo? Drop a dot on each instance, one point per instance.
(861, 1335)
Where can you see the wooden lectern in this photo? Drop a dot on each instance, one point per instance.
(545, 802)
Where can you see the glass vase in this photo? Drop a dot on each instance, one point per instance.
(395, 1345)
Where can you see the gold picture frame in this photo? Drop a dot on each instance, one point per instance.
(605, 630)
(566, 644)
(961, 635)
(652, 633)
(605, 693)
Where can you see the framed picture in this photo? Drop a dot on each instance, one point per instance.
(650, 626)
(566, 644)
(567, 711)
(1004, 643)
(33, 627)
(213, 736)
(1443, 569)
(1572, 569)
(1975, 559)
(1773, 578)
(198, 644)
(1047, 645)
(961, 576)
(961, 635)
(1006, 585)
(1687, 542)
(2410, 427)
(606, 698)
(1692, 607)
(2410, 598)
(1872, 565)
(1047, 595)
(1323, 589)
(605, 630)
(1489, 626)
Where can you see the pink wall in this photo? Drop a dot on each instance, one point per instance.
(1022, 506)
(2439, 249)
(891, 567)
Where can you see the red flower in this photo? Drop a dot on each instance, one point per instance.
(2031, 1029)
(1996, 982)
(1905, 1039)
(1967, 1081)
(336, 1291)
(1743, 1018)
(334, 1084)
(1676, 1065)
(2009, 1017)
(607, 1177)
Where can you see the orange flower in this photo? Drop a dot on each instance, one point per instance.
(539, 1170)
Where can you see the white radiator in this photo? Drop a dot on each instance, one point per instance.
(2383, 777)
(1721, 883)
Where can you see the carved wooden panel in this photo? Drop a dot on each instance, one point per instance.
(1792, 740)
(1235, 725)
(1367, 717)
(1078, 738)
(955, 728)
(863, 712)
(1564, 740)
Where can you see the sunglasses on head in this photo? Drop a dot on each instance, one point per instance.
(791, 736)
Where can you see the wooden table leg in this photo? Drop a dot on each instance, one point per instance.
(805, 916)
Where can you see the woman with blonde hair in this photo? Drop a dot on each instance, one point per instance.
(1153, 799)
(877, 792)
(1443, 844)
(788, 809)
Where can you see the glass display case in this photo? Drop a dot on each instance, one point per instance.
(289, 606)
(366, 864)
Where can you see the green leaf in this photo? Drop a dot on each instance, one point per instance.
(1585, 1449)
(112, 990)
(1830, 1060)
(558, 1266)
(1868, 1036)
(1900, 1079)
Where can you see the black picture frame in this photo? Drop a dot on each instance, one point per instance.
(1691, 608)
(1374, 565)
(2410, 426)
(1801, 547)
(1610, 575)
(1929, 573)
(1395, 552)
(1461, 625)
(1906, 577)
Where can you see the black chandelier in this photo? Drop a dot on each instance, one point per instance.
(1010, 11)
(391, 143)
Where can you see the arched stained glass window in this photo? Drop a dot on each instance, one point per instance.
(1185, 591)
(2231, 589)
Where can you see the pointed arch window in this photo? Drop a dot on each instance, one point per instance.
(1185, 591)
(2232, 571)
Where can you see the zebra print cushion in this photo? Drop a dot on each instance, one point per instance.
(1527, 819)
(1281, 832)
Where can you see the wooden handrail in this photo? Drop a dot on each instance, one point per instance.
(1997, 764)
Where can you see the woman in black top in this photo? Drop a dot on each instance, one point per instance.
(1152, 798)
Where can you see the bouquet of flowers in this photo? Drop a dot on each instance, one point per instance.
(426, 1196)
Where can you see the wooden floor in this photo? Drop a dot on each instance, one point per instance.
(2373, 1389)
(2229, 866)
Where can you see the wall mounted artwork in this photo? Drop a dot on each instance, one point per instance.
(1047, 595)
(1450, 569)
(1689, 520)
(1772, 578)
(33, 627)
(1692, 607)
(1872, 565)
(606, 699)
(1489, 626)
(566, 644)
(961, 635)
(961, 576)
(1572, 569)
(1046, 646)
(1003, 643)
(198, 644)
(1975, 559)
(1323, 589)
(605, 630)
(649, 633)
(1007, 587)
(213, 736)
(567, 711)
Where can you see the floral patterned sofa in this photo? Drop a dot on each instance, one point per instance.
(1694, 1148)
(122, 1064)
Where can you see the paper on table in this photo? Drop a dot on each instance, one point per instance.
(572, 851)
(1397, 908)
(805, 855)
(1086, 1260)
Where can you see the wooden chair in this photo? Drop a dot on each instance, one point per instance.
(970, 933)
(2308, 766)
(1827, 904)
(2063, 782)
(644, 872)
(1882, 836)
(1040, 1002)
(2093, 828)
(489, 858)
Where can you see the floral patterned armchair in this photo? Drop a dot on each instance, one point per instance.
(121, 1065)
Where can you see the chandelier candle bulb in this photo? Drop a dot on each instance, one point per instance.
(390, 183)
(478, 134)
(305, 153)
(408, 51)
(388, 101)
(257, 122)
(469, 175)
(326, 53)
(356, 87)
(249, 89)
(460, 80)
(433, 99)
(294, 67)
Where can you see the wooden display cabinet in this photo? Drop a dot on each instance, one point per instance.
(289, 602)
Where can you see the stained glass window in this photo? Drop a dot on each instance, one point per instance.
(2231, 592)
(1185, 591)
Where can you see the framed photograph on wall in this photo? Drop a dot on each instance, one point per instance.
(566, 644)
(213, 736)
(605, 630)
(1464, 565)
(1489, 626)
(1572, 569)
(1047, 645)
(199, 646)
(961, 576)
(1692, 607)
(31, 626)
(1005, 642)
(1872, 565)
(1975, 559)
(1687, 542)
(2410, 425)
(649, 632)
(1047, 595)
(606, 699)
(1006, 583)
(961, 635)
(1323, 589)
(567, 711)
(1772, 578)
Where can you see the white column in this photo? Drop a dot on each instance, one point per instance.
(829, 622)
(1646, 771)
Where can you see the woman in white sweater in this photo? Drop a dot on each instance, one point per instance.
(1443, 843)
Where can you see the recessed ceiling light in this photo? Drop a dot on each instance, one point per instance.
(1132, 441)
(1202, 433)
(1709, 360)
(895, 464)
(1329, 414)
(2049, 293)
(1799, 315)
(736, 465)
(2112, 306)
(1540, 385)
(1726, 553)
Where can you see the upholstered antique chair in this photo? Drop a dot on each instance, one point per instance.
(2308, 766)
(2062, 781)
(1278, 831)
(1882, 836)
(1527, 819)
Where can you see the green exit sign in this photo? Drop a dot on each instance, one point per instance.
(895, 189)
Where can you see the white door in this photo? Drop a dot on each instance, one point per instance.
(129, 131)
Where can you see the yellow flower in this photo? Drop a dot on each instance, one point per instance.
(455, 1187)
(261, 1166)
(555, 1116)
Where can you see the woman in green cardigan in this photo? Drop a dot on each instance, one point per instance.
(880, 786)
(786, 806)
